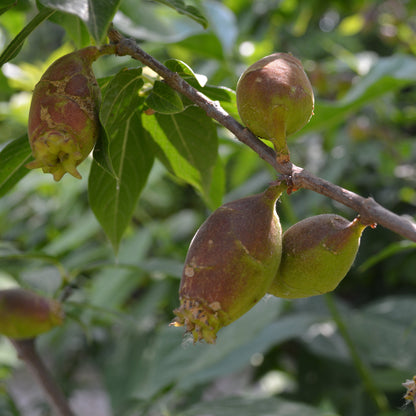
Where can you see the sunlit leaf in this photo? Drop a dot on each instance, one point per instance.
(187, 10)
(387, 74)
(6, 5)
(97, 15)
(185, 71)
(163, 99)
(187, 145)
(114, 197)
(16, 44)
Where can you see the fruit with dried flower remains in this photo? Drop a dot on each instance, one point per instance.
(230, 264)
(63, 118)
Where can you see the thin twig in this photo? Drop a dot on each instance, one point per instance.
(27, 352)
(370, 211)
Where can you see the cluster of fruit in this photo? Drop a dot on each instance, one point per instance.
(239, 254)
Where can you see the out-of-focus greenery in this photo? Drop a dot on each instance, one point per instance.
(346, 353)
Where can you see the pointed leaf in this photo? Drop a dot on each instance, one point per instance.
(187, 145)
(97, 15)
(120, 98)
(16, 44)
(6, 5)
(13, 158)
(387, 74)
(113, 198)
(182, 69)
(100, 154)
(163, 99)
(74, 27)
(189, 11)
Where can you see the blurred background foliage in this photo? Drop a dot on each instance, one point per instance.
(342, 354)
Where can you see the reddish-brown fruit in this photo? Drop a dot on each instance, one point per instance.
(230, 264)
(63, 118)
(275, 99)
(25, 314)
(317, 253)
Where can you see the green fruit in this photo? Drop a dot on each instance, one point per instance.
(317, 253)
(230, 264)
(25, 314)
(275, 99)
(63, 118)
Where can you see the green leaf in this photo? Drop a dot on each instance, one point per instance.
(16, 44)
(163, 99)
(185, 71)
(100, 154)
(212, 46)
(390, 250)
(189, 11)
(120, 97)
(13, 158)
(6, 5)
(223, 23)
(113, 198)
(97, 15)
(74, 27)
(368, 332)
(187, 145)
(387, 75)
(74, 236)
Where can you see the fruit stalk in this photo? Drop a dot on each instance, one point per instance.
(27, 352)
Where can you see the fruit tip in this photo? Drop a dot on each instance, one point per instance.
(359, 220)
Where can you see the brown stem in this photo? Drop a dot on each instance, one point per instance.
(370, 211)
(26, 350)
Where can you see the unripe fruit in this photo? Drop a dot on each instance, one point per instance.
(25, 314)
(317, 253)
(63, 118)
(230, 264)
(275, 99)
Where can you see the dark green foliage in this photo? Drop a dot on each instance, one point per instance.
(162, 165)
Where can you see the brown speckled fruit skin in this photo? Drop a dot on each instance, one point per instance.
(63, 118)
(275, 99)
(25, 314)
(231, 262)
